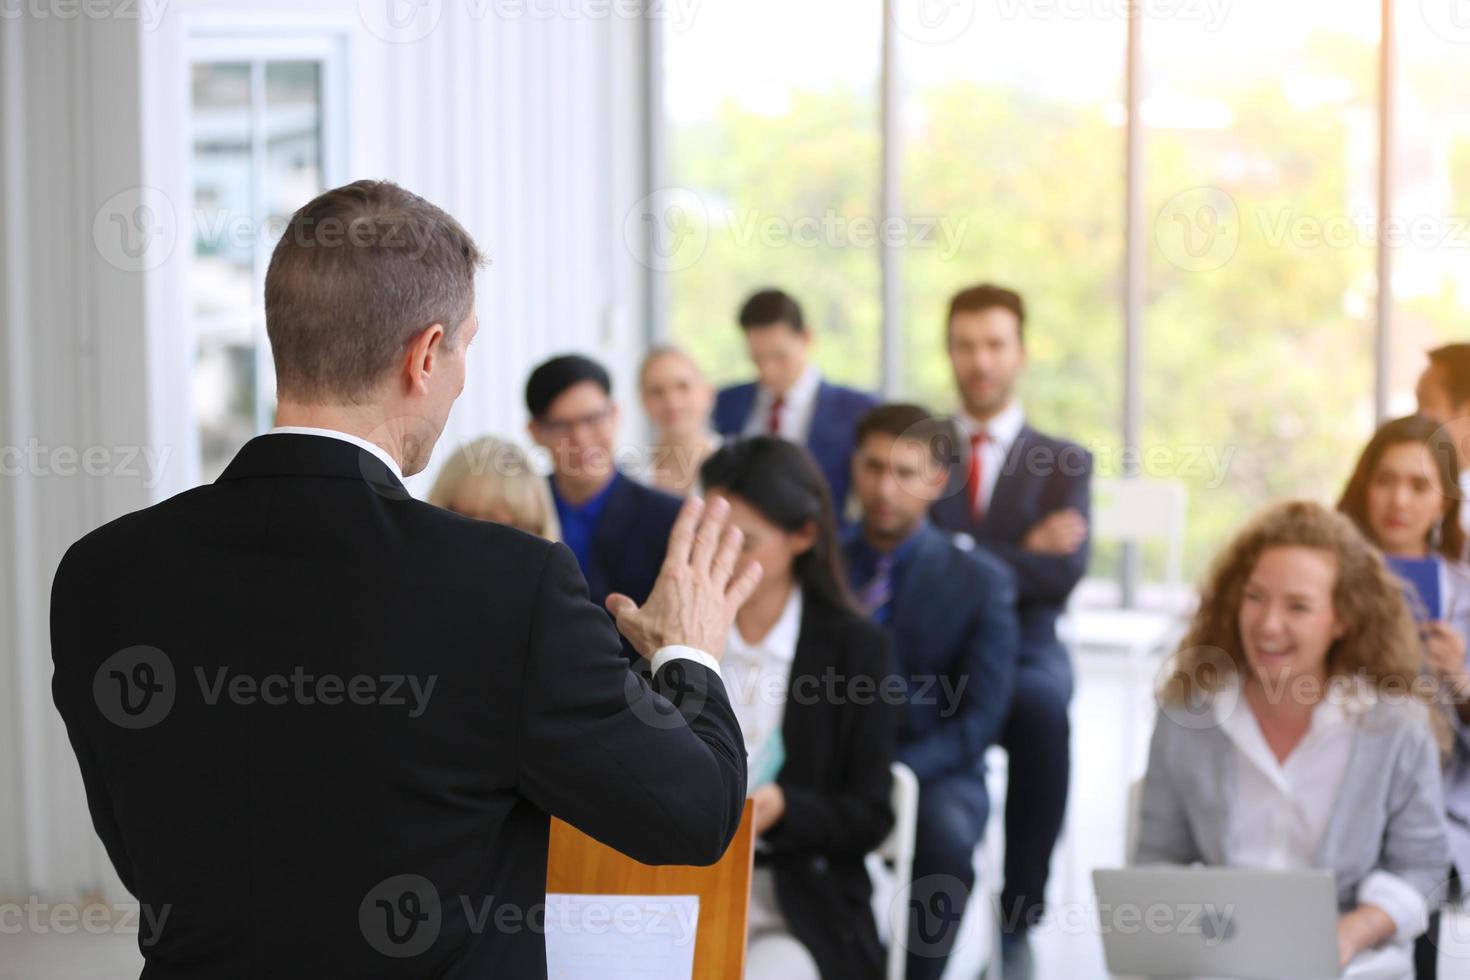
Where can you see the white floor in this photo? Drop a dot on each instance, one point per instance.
(1112, 717)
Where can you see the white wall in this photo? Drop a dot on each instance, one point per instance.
(527, 129)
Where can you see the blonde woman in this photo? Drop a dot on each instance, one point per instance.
(1289, 736)
(492, 479)
(678, 401)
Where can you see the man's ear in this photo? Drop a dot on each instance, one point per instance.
(423, 355)
(532, 432)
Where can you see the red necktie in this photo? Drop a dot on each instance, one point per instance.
(773, 424)
(977, 500)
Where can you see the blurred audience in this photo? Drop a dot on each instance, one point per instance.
(789, 397)
(951, 615)
(678, 401)
(1025, 497)
(1287, 736)
(1402, 496)
(491, 479)
(617, 528)
(801, 667)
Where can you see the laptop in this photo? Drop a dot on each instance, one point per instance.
(1218, 922)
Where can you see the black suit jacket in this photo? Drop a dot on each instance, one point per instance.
(838, 735)
(236, 668)
(1042, 475)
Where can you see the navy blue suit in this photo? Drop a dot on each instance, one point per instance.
(631, 540)
(834, 423)
(952, 618)
(1041, 475)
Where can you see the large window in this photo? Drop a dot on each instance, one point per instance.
(1017, 162)
(773, 135)
(1260, 181)
(1257, 162)
(1431, 175)
(260, 148)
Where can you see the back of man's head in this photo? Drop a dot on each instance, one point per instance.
(358, 272)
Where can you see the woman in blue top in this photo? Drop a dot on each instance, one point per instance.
(1404, 496)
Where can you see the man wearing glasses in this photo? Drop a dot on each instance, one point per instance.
(617, 527)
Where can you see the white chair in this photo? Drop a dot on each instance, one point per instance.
(1140, 511)
(891, 867)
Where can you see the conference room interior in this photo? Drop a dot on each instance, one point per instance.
(1238, 227)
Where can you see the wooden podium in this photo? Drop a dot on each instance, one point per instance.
(576, 864)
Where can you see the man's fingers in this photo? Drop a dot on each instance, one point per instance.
(707, 538)
(744, 583)
(620, 605)
(681, 538)
(724, 566)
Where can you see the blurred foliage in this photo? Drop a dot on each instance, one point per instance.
(1265, 362)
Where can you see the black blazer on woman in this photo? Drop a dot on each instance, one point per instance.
(838, 736)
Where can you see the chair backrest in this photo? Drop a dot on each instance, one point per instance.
(576, 864)
(897, 852)
(1141, 509)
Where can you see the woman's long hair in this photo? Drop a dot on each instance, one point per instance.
(1380, 643)
(1420, 431)
(782, 482)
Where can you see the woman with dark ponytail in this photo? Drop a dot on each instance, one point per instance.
(805, 674)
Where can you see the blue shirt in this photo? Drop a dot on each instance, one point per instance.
(579, 521)
(864, 564)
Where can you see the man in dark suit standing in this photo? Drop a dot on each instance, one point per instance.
(789, 397)
(951, 614)
(322, 724)
(1025, 497)
(618, 528)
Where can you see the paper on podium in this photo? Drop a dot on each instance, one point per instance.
(647, 937)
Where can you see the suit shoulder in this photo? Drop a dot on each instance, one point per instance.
(988, 567)
(731, 392)
(854, 399)
(476, 536)
(1060, 445)
(121, 534)
(660, 503)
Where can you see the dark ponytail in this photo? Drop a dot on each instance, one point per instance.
(782, 482)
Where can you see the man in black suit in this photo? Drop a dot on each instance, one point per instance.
(322, 725)
(1024, 496)
(618, 528)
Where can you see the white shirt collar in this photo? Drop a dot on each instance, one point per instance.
(803, 390)
(1003, 428)
(358, 441)
(1347, 697)
(780, 641)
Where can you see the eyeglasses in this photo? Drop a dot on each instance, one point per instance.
(562, 428)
